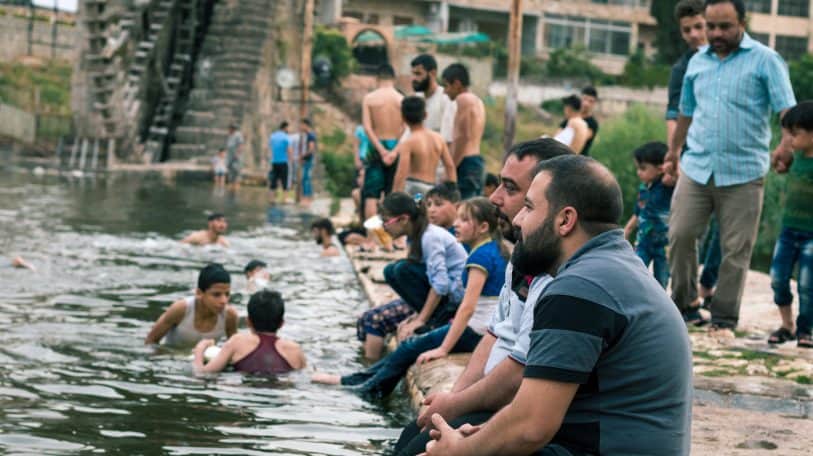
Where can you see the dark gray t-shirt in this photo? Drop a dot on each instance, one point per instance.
(606, 324)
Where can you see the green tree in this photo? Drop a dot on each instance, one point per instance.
(330, 44)
(667, 35)
(801, 76)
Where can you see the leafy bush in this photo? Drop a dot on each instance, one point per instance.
(331, 44)
(640, 71)
(575, 62)
(339, 173)
(801, 76)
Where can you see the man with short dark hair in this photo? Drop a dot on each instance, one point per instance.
(216, 226)
(419, 154)
(469, 124)
(281, 153)
(597, 379)
(589, 98)
(494, 371)
(729, 91)
(381, 117)
(308, 143)
(439, 108)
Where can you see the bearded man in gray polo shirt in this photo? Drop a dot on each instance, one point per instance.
(609, 367)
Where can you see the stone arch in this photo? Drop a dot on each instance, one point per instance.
(371, 54)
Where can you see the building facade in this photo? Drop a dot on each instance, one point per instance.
(610, 30)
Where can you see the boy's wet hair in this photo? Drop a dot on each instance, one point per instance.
(323, 223)
(492, 180)
(799, 116)
(446, 191)
(573, 101)
(211, 274)
(413, 109)
(689, 8)
(590, 91)
(215, 216)
(651, 152)
(265, 310)
(252, 265)
(385, 71)
(456, 72)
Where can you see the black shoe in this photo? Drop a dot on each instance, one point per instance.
(692, 316)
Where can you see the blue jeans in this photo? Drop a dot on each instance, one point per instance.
(410, 281)
(712, 257)
(794, 246)
(307, 187)
(381, 378)
(470, 176)
(652, 249)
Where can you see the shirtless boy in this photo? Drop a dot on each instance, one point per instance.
(418, 155)
(381, 117)
(323, 231)
(469, 123)
(206, 315)
(213, 234)
(258, 351)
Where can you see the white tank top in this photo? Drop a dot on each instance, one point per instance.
(565, 136)
(185, 334)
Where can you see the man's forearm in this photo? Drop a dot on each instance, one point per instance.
(493, 391)
(477, 363)
(679, 135)
(671, 124)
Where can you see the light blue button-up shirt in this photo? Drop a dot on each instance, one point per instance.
(730, 102)
(445, 259)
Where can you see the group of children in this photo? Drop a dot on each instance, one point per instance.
(794, 246)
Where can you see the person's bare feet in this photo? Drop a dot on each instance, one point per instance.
(327, 379)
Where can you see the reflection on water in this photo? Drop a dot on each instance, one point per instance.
(76, 376)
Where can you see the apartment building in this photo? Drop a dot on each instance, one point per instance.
(610, 29)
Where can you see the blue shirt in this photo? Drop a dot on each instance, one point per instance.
(364, 143)
(730, 102)
(652, 209)
(488, 259)
(444, 258)
(278, 143)
(676, 84)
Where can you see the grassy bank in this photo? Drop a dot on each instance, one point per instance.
(42, 89)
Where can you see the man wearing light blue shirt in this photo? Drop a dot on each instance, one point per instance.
(729, 92)
(280, 150)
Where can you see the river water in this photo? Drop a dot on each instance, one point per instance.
(75, 376)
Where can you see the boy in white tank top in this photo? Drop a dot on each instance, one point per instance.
(206, 315)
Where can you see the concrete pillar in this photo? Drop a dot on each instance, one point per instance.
(774, 13)
(330, 11)
(540, 35)
(810, 28)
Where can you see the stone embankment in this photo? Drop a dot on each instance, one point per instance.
(750, 398)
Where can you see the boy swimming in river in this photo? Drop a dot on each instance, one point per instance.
(206, 315)
(258, 351)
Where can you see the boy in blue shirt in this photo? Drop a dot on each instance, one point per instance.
(651, 214)
(281, 153)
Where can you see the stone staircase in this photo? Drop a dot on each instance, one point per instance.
(226, 69)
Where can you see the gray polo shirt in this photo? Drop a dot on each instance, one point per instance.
(606, 324)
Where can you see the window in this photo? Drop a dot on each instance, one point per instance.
(763, 38)
(791, 47)
(758, 6)
(633, 3)
(798, 8)
(597, 36)
(402, 20)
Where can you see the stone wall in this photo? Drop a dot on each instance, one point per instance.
(17, 124)
(14, 39)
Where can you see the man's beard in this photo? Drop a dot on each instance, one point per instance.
(421, 86)
(509, 232)
(539, 252)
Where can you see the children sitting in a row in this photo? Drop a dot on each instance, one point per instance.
(483, 274)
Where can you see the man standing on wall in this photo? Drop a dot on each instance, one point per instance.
(381, 117)
(589, 99)
(729, 91)
(234, 147)
(469, 124)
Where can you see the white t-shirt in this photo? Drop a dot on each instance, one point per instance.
(440, 111)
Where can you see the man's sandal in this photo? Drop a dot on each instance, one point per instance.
(805, 341)
(781, 335)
